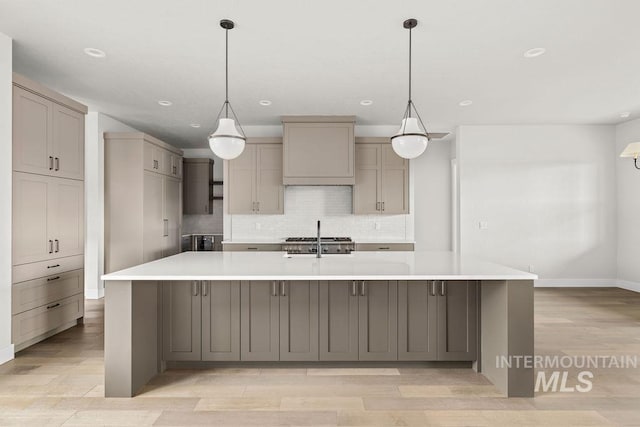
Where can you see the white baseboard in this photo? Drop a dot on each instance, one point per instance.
(587, 283)
(575, 283)
(94, 293)
(630, 286)
(6, 354)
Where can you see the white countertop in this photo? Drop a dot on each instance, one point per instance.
(356, 266)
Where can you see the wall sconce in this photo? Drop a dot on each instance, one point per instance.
(632, 150)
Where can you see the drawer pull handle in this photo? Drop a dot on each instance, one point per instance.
(53, 306)
(252, 249)
(51, 279)
(384, 248)
(53, 266)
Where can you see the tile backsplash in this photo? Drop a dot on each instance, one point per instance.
(332, 205)
(204, 223)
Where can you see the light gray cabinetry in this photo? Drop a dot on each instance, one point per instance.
(201, 321)
(437, 320)
(381, 247)
(143, 200)
(279, 320)
(260, 321)
(48, 138)
(220, 321)
(457, 320)
(251, 247)
(382, 179)
(48, 218)
(255, 179)
(318, 150)
(378, 320)
(181, 320)
(417, 320)
(298, 320)
(197, 186)
(48, 212)
(339, 320)
(358, 320)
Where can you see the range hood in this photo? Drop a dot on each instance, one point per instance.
(318, 150)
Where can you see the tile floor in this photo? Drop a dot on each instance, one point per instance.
(60, 382)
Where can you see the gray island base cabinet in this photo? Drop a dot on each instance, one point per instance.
(332, 315)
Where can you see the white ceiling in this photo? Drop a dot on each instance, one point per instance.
(324, 57)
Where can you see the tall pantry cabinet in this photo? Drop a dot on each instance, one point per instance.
(143, 199)
(48, 212)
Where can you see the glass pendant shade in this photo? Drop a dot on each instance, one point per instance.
(226, 142)
(411, 140)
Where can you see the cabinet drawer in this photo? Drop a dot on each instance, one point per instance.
(384, 246)
(39, 292)
(274, 247)
(38, 321)
(34, 270)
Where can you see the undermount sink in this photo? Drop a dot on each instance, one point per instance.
(314, 255)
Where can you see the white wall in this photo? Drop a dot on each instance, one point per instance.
(6, 67)
(432, 197)
(547, 194)
(628, 186)
(95, 126)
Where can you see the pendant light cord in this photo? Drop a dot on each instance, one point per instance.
(410, 29)
(226, 73)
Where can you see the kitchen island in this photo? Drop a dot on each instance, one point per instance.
(203, 308)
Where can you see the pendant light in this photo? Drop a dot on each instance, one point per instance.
(412, 137)
(227, 142)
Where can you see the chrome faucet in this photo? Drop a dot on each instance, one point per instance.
(319, 243)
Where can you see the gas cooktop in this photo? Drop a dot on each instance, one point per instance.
(322, 239)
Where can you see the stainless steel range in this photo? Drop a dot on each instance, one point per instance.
(309, 245)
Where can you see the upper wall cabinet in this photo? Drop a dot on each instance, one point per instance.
(318, 150)
(197, 187)
(255, 179)
(382, 179)
(48, 137)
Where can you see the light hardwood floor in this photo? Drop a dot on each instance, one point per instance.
(60, 382)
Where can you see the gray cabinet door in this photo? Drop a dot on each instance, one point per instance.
(221, 321)
(67, 208)
(394, 190)
(32, 223)
(378, 325)
(417, 320)
(172, 218)
(68, 142)
(242, 178)
(299, 320)
(259, 321)
(197, 189)
(338, 321)
(457, 320)
(366, 191)
(269, 189)
(32, 133)
(153, 216)
(181, 321)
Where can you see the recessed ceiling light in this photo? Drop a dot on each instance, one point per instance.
(366, 102)
(195, 125)
(625, 114)
(536, 51)
(265, 102)
(165, 103)
(466, 103)
(96, 53)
